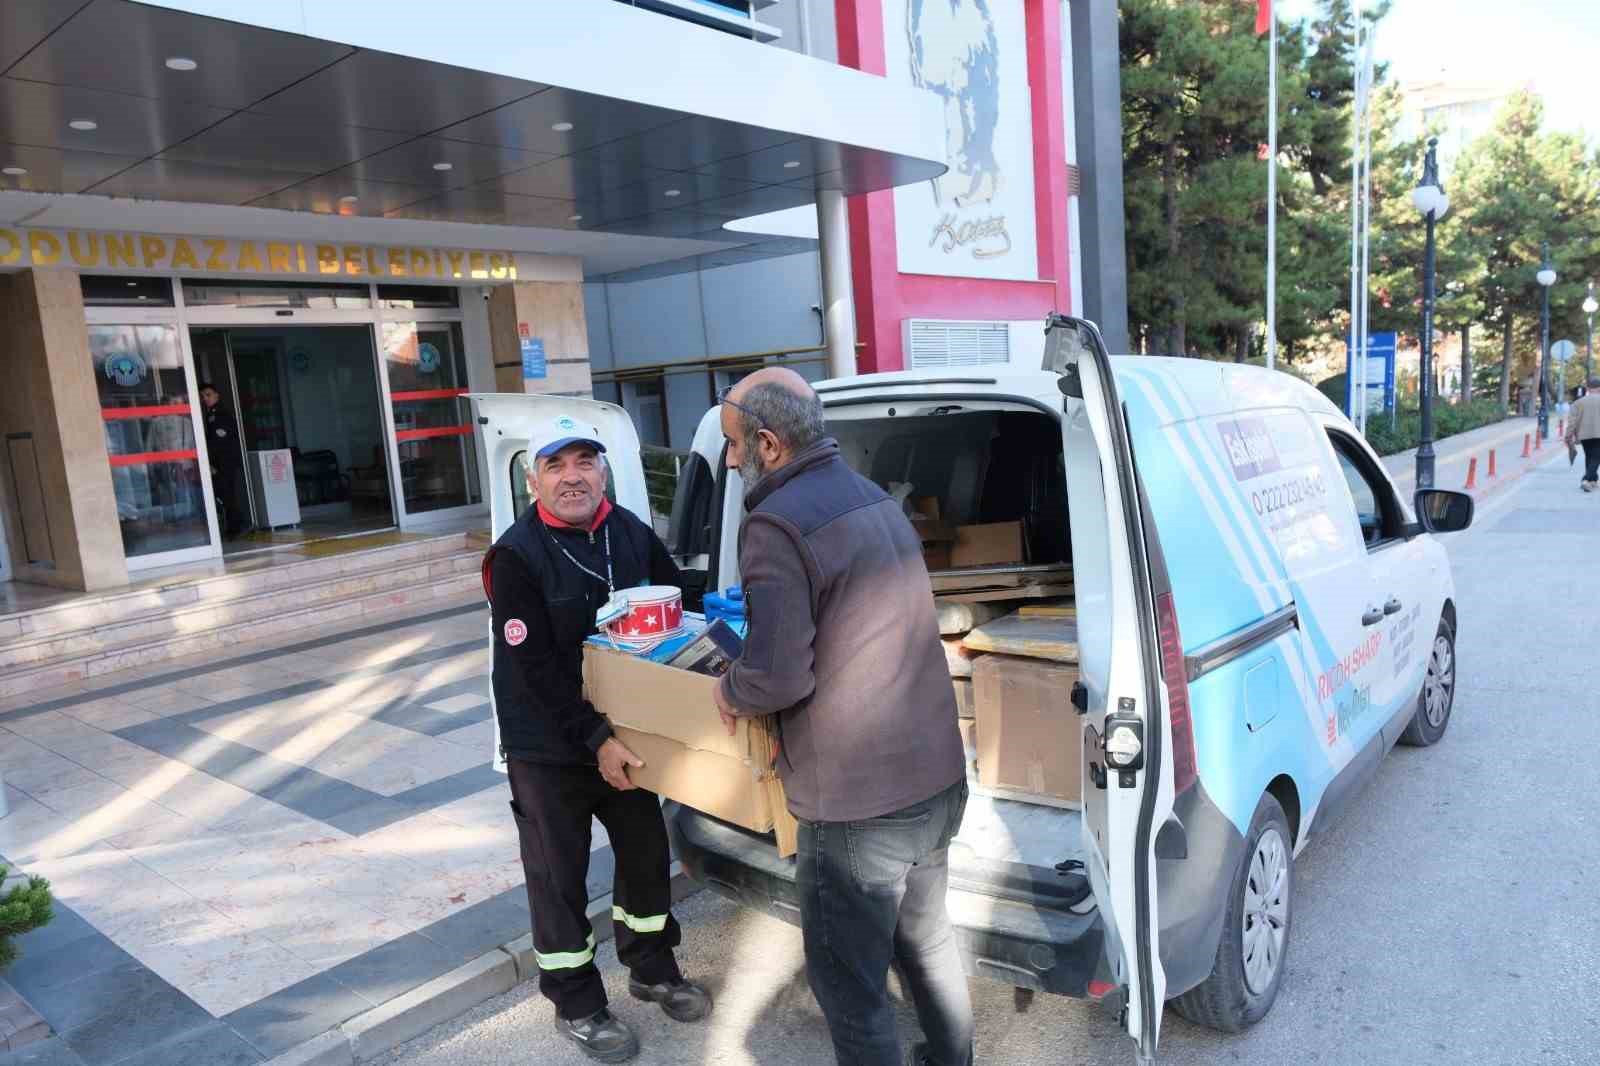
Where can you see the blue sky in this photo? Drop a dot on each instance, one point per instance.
(1555, 44)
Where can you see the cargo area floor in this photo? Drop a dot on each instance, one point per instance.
(1009, 830)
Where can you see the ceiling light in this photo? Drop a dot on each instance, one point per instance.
(133, 284)
(574, 218)
(348, 199)
(674, 192)
(181, 63)
(14, 172)
(444, 166)
(84, 124)
(791, 164)
(562, 127)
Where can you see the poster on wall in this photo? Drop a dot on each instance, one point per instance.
(977, 220)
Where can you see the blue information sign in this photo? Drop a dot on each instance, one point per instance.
(533, 365)
(1380, 373)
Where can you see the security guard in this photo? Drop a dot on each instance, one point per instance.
(546, 578)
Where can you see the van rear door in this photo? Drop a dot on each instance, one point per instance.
(510, 419)
(1127, 744)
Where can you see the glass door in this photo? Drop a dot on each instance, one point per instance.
(436, 453)
(163, 500)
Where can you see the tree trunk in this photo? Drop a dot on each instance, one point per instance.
(1177, 332)
(1505, 365)
(1241, 345)
(1466, 364)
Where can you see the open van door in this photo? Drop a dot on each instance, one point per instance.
(509, 420)
(1127, 774)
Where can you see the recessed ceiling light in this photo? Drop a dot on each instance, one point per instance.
(574, 218)
(133, 284)
(84, 124)
(444, 166)
(14, 172)
(674, 192)
(348, 199)
(181, 63)
(791, 164)
(562, 127)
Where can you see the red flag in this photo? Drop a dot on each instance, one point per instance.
(1263, 16)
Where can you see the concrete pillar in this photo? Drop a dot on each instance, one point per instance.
(61, 508)
(542, 312)
(838, 302)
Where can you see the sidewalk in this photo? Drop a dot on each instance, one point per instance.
(1452, 457)
(251, 851)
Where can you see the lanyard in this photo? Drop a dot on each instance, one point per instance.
(610, 584)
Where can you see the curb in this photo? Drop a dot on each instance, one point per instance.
(411, 1014)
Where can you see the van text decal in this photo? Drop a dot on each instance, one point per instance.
(1340, 673)
(1249, 447)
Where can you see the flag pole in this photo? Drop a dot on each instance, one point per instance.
(1356, 371)
(1272, 189)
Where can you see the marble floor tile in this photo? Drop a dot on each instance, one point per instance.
(458, 703)
(479, 736)
(248, 978)
(110, 713)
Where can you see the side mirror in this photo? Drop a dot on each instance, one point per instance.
(1443, 511)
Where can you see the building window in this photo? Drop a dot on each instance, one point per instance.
(274, 294)
(412, 297)
(105, 290)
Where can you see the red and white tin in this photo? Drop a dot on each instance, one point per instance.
(654, 613)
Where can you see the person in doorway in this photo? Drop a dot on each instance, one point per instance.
(546, 578)
(227, 464)
(844, 647)
(1583, 430)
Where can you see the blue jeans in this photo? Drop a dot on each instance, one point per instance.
(872, 892)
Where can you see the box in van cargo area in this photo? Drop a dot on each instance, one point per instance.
(668, 717)
(1029, 738)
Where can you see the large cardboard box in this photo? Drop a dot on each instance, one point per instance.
(668, 717)
(1029, 738)
(994, 544)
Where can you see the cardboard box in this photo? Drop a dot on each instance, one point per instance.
(965, 707)
(1029, 737)
(994, 544)
(957, 657)
(689, 756)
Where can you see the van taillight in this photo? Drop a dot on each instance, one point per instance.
(1176, 673)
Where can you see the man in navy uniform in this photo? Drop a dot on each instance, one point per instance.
(546, 578)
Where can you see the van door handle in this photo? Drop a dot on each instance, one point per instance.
(1373, 616)
(1392, 607)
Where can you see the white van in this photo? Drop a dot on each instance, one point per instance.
(1260, 619)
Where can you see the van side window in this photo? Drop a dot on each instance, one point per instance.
(1376, 508)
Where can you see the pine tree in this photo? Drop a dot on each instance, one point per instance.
(25, 907)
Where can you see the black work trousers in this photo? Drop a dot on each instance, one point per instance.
(553, 807)
(1591, 460)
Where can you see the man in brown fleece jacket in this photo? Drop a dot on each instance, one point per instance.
(844, 648)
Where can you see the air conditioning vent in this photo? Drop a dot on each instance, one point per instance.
(933, 343)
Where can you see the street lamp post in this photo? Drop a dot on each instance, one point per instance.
(1590, 306)
(1431, 202)
(1546, 278)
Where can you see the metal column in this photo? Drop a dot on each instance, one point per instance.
(838, 301)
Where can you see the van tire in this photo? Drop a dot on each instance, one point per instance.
(1424, 731)
(1225, 1001)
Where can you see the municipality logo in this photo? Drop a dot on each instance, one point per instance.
(126, 369)
(566, 424)
(428, 358)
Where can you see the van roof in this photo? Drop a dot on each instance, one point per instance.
(1208, 387)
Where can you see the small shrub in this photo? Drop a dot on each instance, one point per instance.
(1448, 420)
(25, 907)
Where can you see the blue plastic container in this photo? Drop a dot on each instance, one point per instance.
(727, 605)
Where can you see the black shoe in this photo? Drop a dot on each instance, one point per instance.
(601, 1036)
(683, 1001)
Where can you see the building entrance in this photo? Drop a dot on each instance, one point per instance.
(314, 392)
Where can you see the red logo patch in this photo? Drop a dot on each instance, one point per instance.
(516, 631)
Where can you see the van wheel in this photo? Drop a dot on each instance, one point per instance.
(1438, 694)
(1255, 932)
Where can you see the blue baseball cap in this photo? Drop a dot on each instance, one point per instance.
(563, 431)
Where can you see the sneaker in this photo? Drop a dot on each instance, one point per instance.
(601, 1036)
(1588, 486)
(683, 1001)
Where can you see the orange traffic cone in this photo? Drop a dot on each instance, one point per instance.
(1526, 444)
(1491, 462)
(1472, 473)
(1538, 441)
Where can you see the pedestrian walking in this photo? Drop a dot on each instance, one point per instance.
(546, 578)
(843, 646)
(1583, 430)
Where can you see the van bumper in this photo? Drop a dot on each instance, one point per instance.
(1192, 891)
(1014, 941)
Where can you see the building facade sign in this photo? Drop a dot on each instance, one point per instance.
(147, 253)
(977, 220)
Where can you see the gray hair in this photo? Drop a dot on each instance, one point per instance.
(794, 419)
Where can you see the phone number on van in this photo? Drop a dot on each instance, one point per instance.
(1302, 489)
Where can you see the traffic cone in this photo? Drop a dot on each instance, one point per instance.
(1538, 439)
(1491, 463)
(1526, 444)
(1472, 473)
